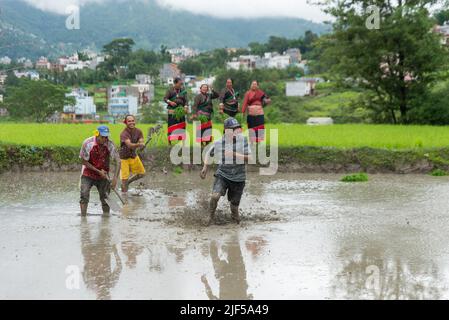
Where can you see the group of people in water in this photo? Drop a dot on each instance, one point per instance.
(232, 152)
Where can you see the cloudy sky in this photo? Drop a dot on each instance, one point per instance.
(220, 8)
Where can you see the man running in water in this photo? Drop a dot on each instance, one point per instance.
(232, 152)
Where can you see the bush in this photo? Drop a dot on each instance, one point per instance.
(439, 173)
(359, 177)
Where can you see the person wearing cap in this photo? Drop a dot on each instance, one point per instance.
(96, 154)
(131, 139)
(231, 152)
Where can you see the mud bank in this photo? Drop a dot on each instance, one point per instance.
(291, 159)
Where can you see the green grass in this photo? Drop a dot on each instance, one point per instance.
(290, 135)
(359, 177)
(439, 173)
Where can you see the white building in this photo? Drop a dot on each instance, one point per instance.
(320, 121)
(80, 65)
(3, 78)
(5, 60)
(31, 74)
(144, 79)
(444, 31)
(300, 88)
(121, 106)
(181, 54)
(94, 62)
(84, 106)
(279, 62)
(26, 62)
(43, 63)
(295, 55)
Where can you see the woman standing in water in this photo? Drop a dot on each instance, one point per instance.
(254, 102)
(202, 110)
(229, 102)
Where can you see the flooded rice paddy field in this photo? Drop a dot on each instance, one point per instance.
(302, 237)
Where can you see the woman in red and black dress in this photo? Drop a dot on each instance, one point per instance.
(203, 106)
(254, 102)
(176, 97)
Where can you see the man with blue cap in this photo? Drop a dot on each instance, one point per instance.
(96, 154)
(231, 153)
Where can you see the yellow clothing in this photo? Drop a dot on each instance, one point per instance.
(134, 166)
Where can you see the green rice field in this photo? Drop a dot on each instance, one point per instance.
(289, 135)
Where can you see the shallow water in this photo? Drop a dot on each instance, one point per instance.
(302, 237)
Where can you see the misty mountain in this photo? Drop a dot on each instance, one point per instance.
(28, 31)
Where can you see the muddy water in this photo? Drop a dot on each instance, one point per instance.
(302, 237)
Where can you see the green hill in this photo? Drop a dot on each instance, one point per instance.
(34, 32)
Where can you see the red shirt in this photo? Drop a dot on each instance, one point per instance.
(253, 98)
(97, 155)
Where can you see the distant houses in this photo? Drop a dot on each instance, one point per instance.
(181, 54)
(5, 60)
(3, 78)
(271, 60)
(83, 108)
(30, 74)
(121, 102)
(169, 72)
(444, 31)
(302, 87)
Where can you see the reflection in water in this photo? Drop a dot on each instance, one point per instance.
(132, 250)
(98, 274)
(231, 274)
(255, 245)
(376, 270)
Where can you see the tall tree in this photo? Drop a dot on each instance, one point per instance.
(118, 52)
(398, 60)
(36, 100)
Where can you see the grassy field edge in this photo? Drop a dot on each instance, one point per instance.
(291, 159)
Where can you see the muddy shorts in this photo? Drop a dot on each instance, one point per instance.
(103, 188)
(234, 189)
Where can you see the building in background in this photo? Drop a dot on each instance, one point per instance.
(144, 79)
(179, 55)
(30, 74)
(5, 60)
(302, 87)
(83, 108)
(169, 72)
(294, 54)
(3, 78)
(43, 63)
(320, 121)
(444, 31)
(122, 106)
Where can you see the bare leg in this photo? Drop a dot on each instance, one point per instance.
(83, 207)
(235, 213)
(213, 206)
(133, 179)
(124, 186)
